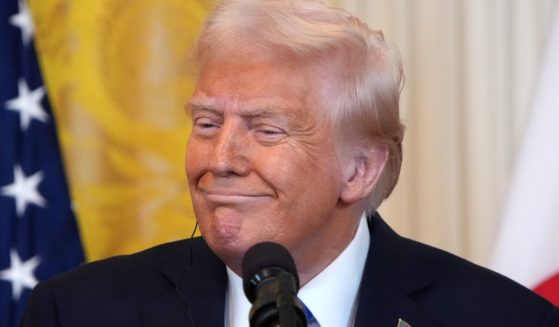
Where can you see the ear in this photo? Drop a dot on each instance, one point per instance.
(363, 172)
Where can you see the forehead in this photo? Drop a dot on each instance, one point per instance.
(265, 85)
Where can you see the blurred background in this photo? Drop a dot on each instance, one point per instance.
(117, 76)
(471, 69)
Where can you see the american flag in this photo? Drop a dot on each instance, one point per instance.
(38, 232)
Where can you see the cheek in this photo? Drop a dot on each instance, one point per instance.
(193, 163)
(306, 186)
(318, 181)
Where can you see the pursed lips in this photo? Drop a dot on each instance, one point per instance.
(231, 196)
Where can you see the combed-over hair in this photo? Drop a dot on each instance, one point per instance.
(365, 100)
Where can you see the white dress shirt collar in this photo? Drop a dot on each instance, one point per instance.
(331, 296)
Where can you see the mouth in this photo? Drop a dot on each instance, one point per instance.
(232, 197)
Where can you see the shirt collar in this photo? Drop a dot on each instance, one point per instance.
(331, 295)
(237, 305)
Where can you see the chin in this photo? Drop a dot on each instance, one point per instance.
(231, 247)
(230, 251)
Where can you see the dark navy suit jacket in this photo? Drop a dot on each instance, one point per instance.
(175, 285)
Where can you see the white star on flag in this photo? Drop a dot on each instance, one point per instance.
(28, 104)
(24, 21)
(20, 274)
(24, 190)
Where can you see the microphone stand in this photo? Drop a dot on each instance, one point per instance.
(277, 305)
(270, 282)
(286, 305)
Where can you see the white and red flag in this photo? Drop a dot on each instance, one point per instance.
(528, 242)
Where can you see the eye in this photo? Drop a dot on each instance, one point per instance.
(205, 126)
(267, 133)
(270, 131)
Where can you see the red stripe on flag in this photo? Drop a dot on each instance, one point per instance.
(550, 289)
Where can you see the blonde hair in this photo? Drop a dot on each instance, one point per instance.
(365, 100)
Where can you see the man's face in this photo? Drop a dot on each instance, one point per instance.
(261, 161)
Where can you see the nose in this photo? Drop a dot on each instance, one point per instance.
(229, 156)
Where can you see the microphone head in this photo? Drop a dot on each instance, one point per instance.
(261, 257)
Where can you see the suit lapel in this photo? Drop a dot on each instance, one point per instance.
(392, 275)
(199, 289)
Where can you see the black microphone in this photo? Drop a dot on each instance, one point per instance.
(271, 283)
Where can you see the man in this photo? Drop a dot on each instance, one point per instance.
(296, 139)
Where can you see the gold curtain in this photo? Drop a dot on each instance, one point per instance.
(117, 75)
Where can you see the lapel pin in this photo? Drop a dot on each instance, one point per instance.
(402, 323)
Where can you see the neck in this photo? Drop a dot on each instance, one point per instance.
(319, 253)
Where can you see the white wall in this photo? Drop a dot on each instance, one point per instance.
(470, 68)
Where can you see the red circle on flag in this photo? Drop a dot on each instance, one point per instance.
(550, 289)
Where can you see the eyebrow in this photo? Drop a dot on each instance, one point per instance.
(251, 110)
(201, 103)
